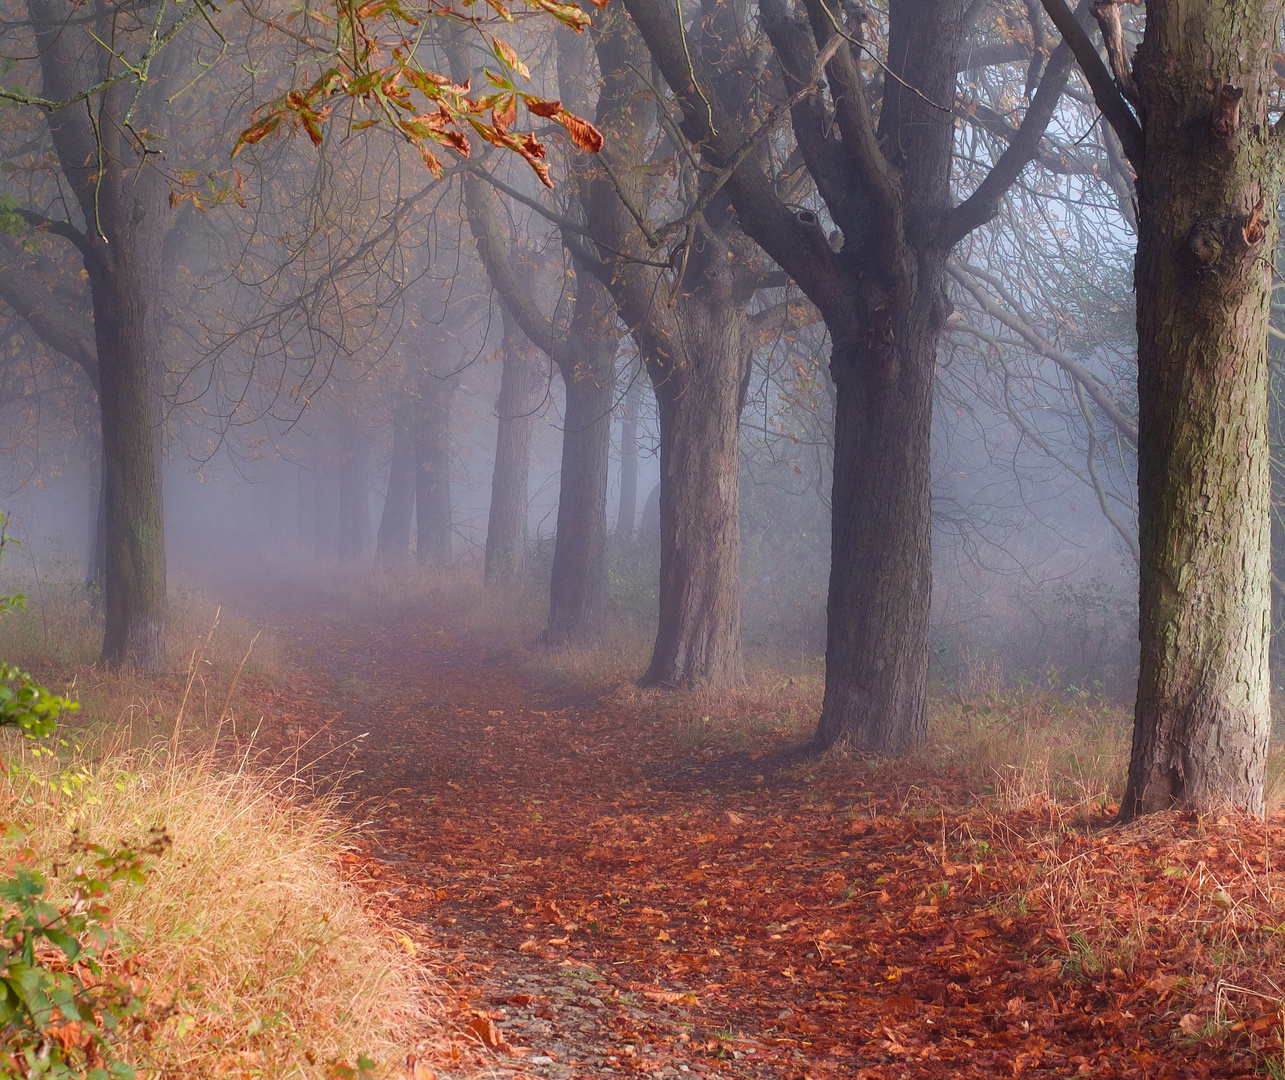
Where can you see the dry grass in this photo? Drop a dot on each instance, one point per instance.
(259, 958)
(60, 628)
(212, 656)
(1023, 745)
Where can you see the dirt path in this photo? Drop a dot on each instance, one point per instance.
(613, 908)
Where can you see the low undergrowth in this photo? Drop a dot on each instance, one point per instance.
(221, 923)
(258, 959)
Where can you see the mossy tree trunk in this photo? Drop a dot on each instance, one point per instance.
(1208, 184)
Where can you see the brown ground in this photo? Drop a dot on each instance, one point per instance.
(604, 904)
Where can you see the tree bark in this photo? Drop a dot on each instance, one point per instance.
(578, 586)
(628, 513)
(1207, 194)
(122, 200)
(96, 561)
(700, 393)
(433, 468)
(881, 565)
(134, 563)
(392, 543)
(523, 383)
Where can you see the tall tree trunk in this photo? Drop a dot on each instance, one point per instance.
(433, 468)
(134, 630)
(392, 543)
(1207, 196)
(96, 562)
(523, 383)
(122, 197)
(880, 567)
(354, 500)
(578, 587)
(700, 393)
(629, 462)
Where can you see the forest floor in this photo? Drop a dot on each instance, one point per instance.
(602, 902)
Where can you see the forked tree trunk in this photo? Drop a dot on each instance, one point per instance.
(392, 543)
(880, 568)
(629, 462)
(433, 469)
(1207, 194)
(578, 586)
(522, 386)
(698, 637)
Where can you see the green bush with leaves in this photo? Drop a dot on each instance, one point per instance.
(59, 1011)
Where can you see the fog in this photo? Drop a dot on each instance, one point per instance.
(341, 336)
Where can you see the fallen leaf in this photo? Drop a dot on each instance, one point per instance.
(484, 1030)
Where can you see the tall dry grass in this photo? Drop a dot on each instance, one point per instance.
(259, 958)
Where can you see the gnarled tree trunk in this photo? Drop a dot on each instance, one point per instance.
(881, 567)
(700, 392)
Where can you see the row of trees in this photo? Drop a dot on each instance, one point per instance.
(755, 175)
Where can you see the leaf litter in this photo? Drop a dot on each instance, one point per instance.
(597, 903)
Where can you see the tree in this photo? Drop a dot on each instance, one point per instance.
(584, 353)
(523, 384)
(1208, 160)
(124, 207)
(878, 149)
(691, 317)
(107, 83)
(628, 514)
